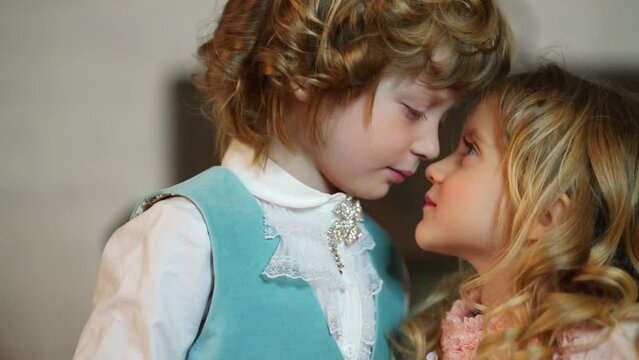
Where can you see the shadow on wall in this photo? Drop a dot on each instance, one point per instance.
(193, 139)
(399, 212)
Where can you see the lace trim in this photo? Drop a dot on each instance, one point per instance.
(282, 265)
(374, 282)
(270, 232)
(303, 253)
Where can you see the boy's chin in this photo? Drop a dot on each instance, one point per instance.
(369, 194)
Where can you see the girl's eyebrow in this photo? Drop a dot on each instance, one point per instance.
(476, 136)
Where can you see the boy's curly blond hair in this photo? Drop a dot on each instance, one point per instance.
(336, 50)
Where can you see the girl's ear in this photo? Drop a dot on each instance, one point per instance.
(551, 217)
(299, 90)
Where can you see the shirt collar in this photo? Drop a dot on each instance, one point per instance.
(272, 183)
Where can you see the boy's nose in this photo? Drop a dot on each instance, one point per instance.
(427, 147)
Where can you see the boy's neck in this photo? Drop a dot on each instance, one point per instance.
(299, 165)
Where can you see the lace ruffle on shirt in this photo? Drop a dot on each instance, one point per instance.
(303, 253)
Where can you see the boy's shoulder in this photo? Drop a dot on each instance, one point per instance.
(210, 186)
(378, 233)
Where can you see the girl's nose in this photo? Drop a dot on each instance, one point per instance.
(435, 172)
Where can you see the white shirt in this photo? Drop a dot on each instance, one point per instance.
(156, 276)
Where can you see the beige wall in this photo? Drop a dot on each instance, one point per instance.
(84, 131)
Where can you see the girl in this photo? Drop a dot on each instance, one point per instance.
(269, 256)
(541, 198)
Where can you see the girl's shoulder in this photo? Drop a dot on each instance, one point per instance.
(620, 342)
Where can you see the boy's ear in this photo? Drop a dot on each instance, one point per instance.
(551, 217)
(299, 90)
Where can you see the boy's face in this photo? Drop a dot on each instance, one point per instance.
(460, 215)
(364, 158)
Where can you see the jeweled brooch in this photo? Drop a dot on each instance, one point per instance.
(345, 228)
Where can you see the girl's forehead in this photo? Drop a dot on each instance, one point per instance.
(482, 122)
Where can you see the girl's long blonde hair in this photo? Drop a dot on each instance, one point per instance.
(336, 50)
(561, 135)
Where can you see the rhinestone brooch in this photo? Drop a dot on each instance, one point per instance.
(345, 228)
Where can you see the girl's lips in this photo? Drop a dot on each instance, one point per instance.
(429, 202)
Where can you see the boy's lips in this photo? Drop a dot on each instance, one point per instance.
(398, 175)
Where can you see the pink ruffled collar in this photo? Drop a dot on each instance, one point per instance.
(462, 330)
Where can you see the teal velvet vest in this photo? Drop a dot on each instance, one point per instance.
(253, 318)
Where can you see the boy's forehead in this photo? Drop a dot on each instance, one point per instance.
(418, 85)
(441, 54)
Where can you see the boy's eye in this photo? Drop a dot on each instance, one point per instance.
(469, 147)
(414, 114)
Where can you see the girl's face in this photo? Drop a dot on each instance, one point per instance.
(364, 156)
(460, 215)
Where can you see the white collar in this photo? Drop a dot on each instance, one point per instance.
(272, 183)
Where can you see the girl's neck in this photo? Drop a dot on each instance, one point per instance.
(496, 290)
(493, 294)
(299, 165)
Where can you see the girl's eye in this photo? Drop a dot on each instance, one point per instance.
(414, 114)
(469, 147)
